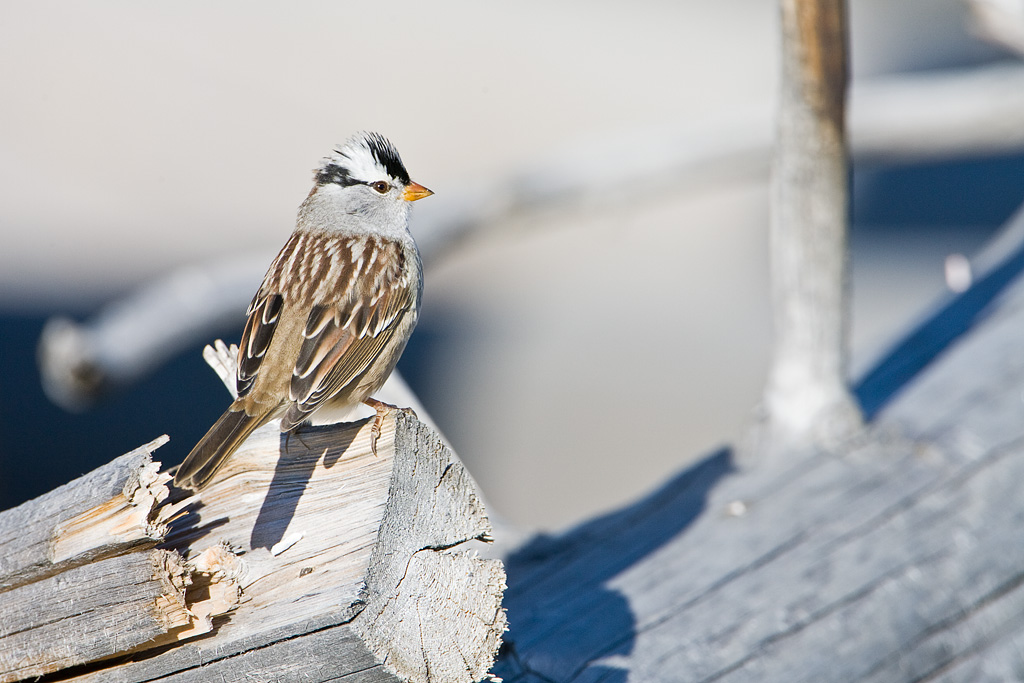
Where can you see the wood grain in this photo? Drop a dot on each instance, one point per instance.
(91, 612)
(106, 512)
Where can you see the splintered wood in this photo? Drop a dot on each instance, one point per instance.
(125, 519)
(106, 512)
(310, 541)
(72, 590)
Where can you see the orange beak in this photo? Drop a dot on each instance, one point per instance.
(414, 191)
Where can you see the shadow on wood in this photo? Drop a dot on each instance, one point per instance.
(290, 482)
(563, 615)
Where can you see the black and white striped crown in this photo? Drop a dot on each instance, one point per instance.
(364, 158)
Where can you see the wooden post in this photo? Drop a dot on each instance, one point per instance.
(307, 558)
(806, 398)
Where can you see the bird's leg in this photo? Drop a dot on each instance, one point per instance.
(382, 409)
(288, 436)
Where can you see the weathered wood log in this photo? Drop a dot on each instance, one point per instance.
(92, 612)
(107, 512)
(299, 545)
(895, 559)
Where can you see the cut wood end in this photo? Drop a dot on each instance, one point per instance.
(446, 621)
(477, 592)
(433, 611)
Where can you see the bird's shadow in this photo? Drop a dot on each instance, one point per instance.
(299, 454)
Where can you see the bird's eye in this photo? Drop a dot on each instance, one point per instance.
(381, 186)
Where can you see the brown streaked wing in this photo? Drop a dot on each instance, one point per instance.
(345, 334)
(263, 315)
(264, 312)
(325, 341)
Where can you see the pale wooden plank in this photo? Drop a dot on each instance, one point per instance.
(335, 654)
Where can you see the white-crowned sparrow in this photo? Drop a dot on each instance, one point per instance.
(335, 309)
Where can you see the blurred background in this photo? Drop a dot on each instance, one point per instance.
(576, 351)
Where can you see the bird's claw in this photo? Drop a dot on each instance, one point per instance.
(382, 409)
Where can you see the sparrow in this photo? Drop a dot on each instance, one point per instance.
(335, 309)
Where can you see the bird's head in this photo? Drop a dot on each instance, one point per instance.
(366, 177)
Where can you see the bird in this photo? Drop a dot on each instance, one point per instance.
(335, 309)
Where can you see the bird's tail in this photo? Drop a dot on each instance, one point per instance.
(223, 438)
